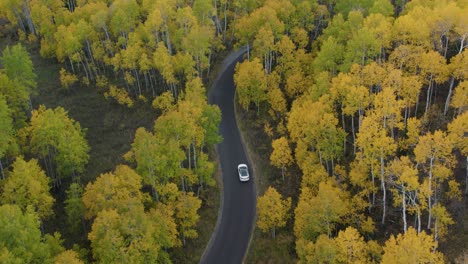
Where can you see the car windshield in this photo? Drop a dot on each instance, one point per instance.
(243, 171)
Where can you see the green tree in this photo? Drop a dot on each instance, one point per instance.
(28, 186)
(17, 100)
(58, 140)
(74, 207)
(7, 139)
(19, 67)
(20, 236)
(272, 211)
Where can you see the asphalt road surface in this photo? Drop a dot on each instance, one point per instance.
(231, 236)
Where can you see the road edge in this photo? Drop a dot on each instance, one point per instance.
(255, 170)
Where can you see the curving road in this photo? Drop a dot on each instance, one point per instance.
(231, 237)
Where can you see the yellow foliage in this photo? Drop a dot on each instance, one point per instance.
(411, 247)
(120, 95)
(272, 211)
(101, 81)
(67, 79)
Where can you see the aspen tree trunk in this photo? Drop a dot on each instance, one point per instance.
(354, 135)
(27, 13)
(225, 20)
(417, 105)
(332, 166)
(137, 75)
(189, 158)
(373, 185)
(194, 150)
(406, 115)
(429, 199)
(466, 176)
(20, 20)
(403, 203)
(1, 169)
(382, 179)
(447, 101)
(419, 221)
(344, 129)
(428, 96)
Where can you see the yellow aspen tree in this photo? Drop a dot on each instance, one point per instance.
(457, 71)
(434, 70)
(434, 154)
(319, 214)
(126, 237)
(28, 186)
(272, 211)
(460, 97)
(351, 247)
(250, 80)
(411, 247)
(313, 175)
(67, 257)
(376, 147)
(118, 191)
(457, 130)
(186, 215)
(264, 46)
(404, 184)
(324, 250)
(281, 154)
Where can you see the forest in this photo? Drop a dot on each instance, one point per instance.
(362, 107)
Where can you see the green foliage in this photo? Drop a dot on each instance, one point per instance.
(18, 67)
(20, 236)
(53, 135)
(17, 99)
(7, 140)
(74, 207)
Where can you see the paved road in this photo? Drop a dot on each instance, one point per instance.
(232, 234)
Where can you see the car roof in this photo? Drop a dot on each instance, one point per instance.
(242, 165)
